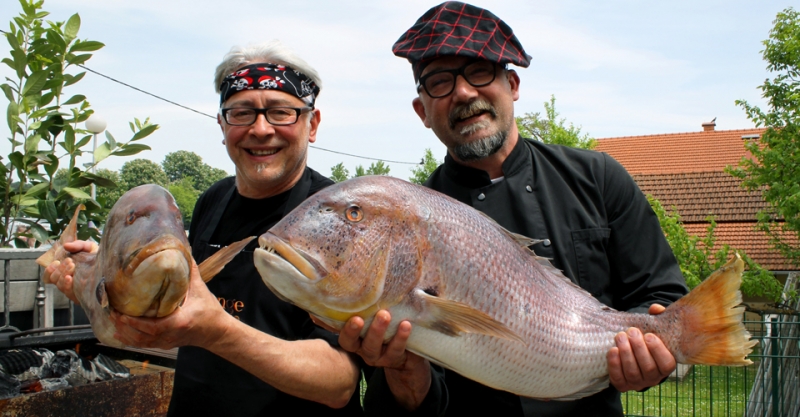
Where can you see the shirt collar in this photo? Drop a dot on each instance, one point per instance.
(473, 178)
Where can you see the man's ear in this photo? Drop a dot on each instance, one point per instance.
(419, 108)
(314, 125)
(513, 81)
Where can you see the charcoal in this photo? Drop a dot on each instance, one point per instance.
(9, 386)
(108, 368)
(52, 384)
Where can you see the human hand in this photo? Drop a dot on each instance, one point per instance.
(639, 362)
(197, 322)
(61, 273)
(408, 375)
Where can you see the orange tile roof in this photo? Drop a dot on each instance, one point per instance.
(678, 152)
(744, 236)
(696, 195)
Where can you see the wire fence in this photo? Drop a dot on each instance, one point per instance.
(770, 387)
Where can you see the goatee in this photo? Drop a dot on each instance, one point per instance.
(481, 148)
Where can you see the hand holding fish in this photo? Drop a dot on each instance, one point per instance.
(408, 375)
(60, 273)
(638, 362)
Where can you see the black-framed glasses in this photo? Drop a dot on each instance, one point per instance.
(278, 116)
(441, 83)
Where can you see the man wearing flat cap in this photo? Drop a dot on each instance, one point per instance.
(592, 220)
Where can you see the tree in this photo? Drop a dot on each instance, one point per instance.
(186, 198)
(186, 164)
(339, 173)
(426, 168)
(38, 117)
(697, 258)
(553, 131)
(142, 171)
(775, 169)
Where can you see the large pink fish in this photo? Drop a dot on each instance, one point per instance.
(143, 263)
(481, 303)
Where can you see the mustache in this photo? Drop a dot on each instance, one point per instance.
(470, 109)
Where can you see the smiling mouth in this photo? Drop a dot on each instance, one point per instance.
(261, 152)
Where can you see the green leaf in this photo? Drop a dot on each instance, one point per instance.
(20, 61)
(47, 209)
(84, 140)
(72, 79)
(69, 141)
(12, 115)
(77, 98)
(100, 181)
(102, 152)
(146, 131)
(32, 143)
(131, 149)
(24, 200)
(72, 26)
(86, 46)
(76, 193)
(78, 59)
(52, 166)
(37, 189)
(111, 142)
(35, 83)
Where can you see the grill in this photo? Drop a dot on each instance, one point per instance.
(39, 316)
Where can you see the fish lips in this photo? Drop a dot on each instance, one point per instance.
(274, 249)
(154, 279)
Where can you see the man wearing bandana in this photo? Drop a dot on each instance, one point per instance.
(593, 221)
(244, 352)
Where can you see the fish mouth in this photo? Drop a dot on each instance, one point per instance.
(307, 266)
(153, 279)
(163, 243)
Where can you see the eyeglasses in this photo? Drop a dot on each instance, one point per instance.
(441, 83)
(278, 116)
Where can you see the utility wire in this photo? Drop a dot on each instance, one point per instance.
(214, 117)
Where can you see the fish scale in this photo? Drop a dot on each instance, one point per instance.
(480, 302)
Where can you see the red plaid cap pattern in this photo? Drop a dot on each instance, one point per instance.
(459, 29)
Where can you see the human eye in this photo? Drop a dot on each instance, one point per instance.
(438, 82)
(280, 114)
(241, 114)
(479, 72)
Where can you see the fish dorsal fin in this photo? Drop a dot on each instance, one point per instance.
(523, 241)
(453, 318)
(70, 234)
(213, 264)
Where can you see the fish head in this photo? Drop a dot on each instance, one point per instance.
(335, 254)
(144, 256)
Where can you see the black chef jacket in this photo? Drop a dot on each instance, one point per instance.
(596, 226)
(206, 384)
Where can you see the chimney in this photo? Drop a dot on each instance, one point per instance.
(709, 126)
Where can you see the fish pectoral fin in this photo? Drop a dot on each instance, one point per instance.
(70, 234)
(453, 318)
(211, 266)
(100, 293)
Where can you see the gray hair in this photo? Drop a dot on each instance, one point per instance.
(273, 52)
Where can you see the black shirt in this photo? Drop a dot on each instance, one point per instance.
(597, 227)
(206, 384)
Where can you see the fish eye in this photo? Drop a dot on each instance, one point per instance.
(354, 214)
(131, 217)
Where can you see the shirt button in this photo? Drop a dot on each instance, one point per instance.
(481, 197)
(546, 243)
(529, 188)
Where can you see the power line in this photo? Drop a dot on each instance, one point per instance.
(214, 117)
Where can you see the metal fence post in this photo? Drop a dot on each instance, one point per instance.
(776, 363)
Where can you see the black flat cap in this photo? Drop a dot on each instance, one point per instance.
(459, 29)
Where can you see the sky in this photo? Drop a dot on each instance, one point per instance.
(616, 67)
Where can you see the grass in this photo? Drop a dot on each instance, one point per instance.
(705, 391)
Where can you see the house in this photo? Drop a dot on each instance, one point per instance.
(686, 173)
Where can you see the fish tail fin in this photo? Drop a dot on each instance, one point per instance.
(70, 234)
(710, 320)
(214, 263)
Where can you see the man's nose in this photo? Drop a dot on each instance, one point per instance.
(261, 127)
(463, 90)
